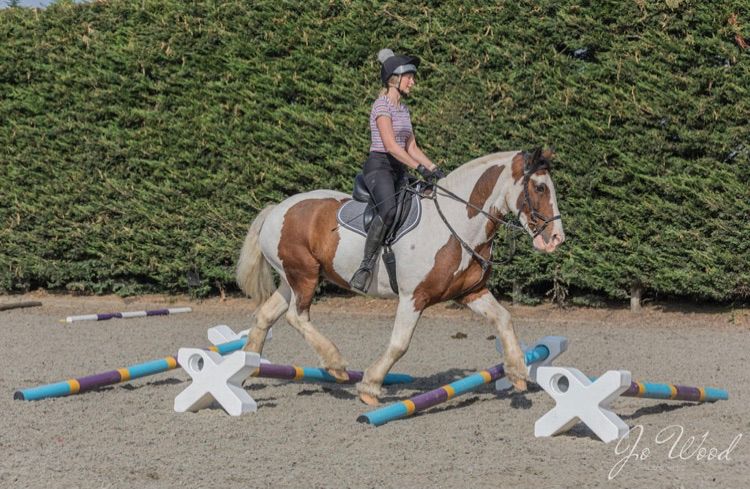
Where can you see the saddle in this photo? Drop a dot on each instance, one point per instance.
(357, 215)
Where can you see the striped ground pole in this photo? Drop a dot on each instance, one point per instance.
(675, 392)
(287, 372)
(127, 314)
(403, 409)
(310, 374)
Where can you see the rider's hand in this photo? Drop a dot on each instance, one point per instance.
(437, 174)
(430, 176)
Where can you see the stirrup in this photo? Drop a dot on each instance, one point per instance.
(361, 279)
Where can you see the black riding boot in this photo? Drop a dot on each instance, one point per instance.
(361, 278)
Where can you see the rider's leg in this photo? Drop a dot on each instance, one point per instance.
(383, 189)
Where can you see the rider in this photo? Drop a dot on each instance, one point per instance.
(393, 148)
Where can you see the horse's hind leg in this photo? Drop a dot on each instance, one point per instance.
(298, 315)
(484, 303)
(266, 315)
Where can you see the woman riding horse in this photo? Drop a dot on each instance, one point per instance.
(447, 256)
(393, 148)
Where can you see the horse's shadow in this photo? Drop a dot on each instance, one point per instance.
(399, 392)
(153, 383)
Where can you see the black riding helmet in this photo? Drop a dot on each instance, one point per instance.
(395, 64)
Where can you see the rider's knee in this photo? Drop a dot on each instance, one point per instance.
(389, 216)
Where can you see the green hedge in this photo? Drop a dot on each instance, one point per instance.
(139, 139)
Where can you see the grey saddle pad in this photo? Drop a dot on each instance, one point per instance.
(351, 216)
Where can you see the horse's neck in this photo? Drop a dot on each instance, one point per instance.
(483, 182)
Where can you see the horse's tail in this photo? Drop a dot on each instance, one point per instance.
(253, 270)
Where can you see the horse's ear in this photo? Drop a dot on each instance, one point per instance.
(532, 160)
(548, 154)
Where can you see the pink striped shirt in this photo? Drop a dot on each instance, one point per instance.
(400, 119)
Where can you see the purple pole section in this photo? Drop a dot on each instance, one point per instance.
(675, 392)
(158, 312)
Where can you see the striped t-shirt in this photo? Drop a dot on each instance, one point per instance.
(400, 119)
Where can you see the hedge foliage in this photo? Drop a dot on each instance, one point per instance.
(139, 139)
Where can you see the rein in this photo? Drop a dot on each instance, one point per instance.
(483, 262)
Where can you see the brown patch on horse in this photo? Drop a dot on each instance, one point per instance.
(491, 225)
(442, 283)
(483, 189)
(516, 167)
(472, 296)
(327, 241)
(307, 246)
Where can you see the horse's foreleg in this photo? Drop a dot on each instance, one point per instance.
(403, 329)
(484, 303)
(265, 316)
(331, 358)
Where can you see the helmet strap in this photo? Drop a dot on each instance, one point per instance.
(398, 87)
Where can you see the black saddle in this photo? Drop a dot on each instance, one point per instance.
(403, 205)
(357, 217)
(408, 214)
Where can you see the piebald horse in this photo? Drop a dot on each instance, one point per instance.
(446, 257)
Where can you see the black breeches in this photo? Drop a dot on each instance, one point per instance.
(383, 173)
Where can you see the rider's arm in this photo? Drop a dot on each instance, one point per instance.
(385, 127)
(416, 153)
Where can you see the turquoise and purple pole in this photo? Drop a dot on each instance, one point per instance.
(403, 409)
(675, 392)
(288, 372)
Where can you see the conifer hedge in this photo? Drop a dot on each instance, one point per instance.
(139, 139)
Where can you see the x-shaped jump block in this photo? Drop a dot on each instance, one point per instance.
(580, 399)
(224, 334)
(216, 379)
(557, 345)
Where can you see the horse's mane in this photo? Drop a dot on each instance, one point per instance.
(485, 160)
(534, 160)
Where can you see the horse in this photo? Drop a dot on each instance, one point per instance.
(446, 257)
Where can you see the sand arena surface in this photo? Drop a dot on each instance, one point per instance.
(306, 436)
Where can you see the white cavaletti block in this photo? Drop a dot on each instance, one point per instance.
(580, 399)
(216, 378)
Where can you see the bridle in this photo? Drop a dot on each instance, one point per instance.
(535, 214)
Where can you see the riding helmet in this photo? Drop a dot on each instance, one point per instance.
(392, 64)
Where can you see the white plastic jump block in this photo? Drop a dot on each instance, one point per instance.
(216, 378)
(224, 334)
(557, 345)
(580, 399)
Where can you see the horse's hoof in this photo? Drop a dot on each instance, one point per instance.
(520, 385)
(338, 374)
(369, 399)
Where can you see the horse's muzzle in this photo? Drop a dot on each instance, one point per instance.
(548, 246)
